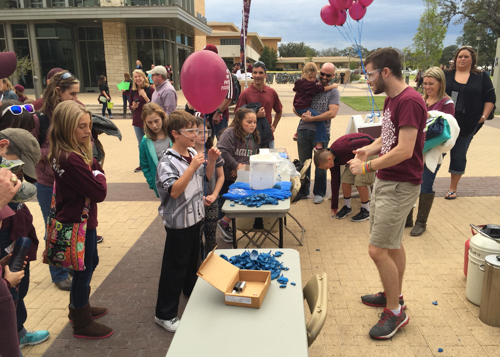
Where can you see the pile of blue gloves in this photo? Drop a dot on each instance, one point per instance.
(241, 193)
(256, 261)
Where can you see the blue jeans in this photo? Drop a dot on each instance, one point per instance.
(139, 134)
(458, 154)
(18, 295)
(321, 134)
(44, 197)
(104, 107)
(125, 101)
(306, 141)
(81, 279)
(428, 178)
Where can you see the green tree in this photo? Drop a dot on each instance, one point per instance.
(293, 49)
(329, 52)
(428, 41)
(485, 47)
(447, 55)
(269, 56)
(482, 13)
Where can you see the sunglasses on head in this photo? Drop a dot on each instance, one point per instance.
(18, 109)
(66, 75)
(325, 75)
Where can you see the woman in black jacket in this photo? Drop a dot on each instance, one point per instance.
(474, 97)
(104, 92)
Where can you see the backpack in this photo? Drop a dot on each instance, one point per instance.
(44, 127)
(236, 89)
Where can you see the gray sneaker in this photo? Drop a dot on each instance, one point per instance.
(64, 285)
(318, 199)
(227, 232)
(25, 193)
(388, 324)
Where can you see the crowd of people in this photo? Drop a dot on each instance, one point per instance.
(46, 149)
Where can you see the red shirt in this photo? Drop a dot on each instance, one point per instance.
(445, 105)
(268, 98)
(407, 108)
(75, 182)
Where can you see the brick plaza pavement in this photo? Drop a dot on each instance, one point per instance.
(126, 279)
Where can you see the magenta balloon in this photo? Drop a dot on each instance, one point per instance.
(204, 81)
(328, 15)
(357, 11)
(338, 4)
(341, 17)
(365, 3)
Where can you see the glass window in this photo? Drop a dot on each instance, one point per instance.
(93, 62)
(2, 33)
(81, 33)
(172, 35)
(22, 49)
(46, 30)
(140, 33)
(160, 52)
(189, 41)
(229, 41)
(56, 53)
(3, 46)
(178, 38)
(158, 33)
(94, 33)
(19, 31)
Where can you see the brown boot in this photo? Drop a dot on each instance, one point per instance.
(95, 311)
(85, 327)
(424, 207)
(409, 219)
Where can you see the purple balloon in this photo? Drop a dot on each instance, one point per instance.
(328, 15)
(365, 3)
(357, 11)
(341, 18)
(204, 81)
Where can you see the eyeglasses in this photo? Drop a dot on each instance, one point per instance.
(18, 109)
(260, 64)
(208, 132)
(369, 75)
(325, 75)
(194, 131)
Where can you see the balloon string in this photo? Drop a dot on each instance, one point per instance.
(205, 154)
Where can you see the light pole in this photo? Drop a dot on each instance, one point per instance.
(478, 38)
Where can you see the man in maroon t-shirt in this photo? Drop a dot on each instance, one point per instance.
(399, 175)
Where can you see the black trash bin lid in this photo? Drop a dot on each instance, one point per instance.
(491, 230)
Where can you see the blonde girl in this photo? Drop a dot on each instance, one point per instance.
(305, 89)
(237, 143)
(63, 86)
(79, 181)
(154, 142)
(204, 142)
(140, 94)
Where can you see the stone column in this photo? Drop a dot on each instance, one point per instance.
(115, 51)
(199, 41)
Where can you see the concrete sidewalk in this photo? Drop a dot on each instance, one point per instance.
(127, 277)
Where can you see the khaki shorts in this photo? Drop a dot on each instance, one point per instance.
(390, 205)
(358, 180)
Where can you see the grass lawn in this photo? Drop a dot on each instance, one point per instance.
(362, 104)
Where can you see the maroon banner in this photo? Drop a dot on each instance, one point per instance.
(244, 31)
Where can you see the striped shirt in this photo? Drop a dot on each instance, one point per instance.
(187, 209)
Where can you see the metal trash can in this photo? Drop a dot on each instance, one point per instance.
(489, 311)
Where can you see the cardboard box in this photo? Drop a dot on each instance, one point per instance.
(223, 275)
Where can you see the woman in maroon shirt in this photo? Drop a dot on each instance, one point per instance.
(140, 94)
(79, 180)
(434, 84)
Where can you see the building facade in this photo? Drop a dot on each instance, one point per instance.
(101, 37)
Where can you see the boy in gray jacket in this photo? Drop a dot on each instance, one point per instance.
(180, 184)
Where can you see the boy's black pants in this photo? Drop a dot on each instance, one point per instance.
(178, 269)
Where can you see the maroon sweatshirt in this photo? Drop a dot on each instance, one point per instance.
(8, 327)
(305, 92)
(342, 148)
(75, 182)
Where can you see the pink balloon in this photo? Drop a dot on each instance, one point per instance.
(357, 11)
(341, 17)
(338, 4)
(328, 15)
(349, 3)
(365, 3)
(204, 80)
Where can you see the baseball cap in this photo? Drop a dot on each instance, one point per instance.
(19, 88)
(9, 63)
(27, 145)
(54, 71)
(211, 47)
(158, 70)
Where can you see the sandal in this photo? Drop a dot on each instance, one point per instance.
(451, 195)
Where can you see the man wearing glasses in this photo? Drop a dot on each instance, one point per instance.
(397, 186)
(164, 95)
(258, 92)
(327, 104)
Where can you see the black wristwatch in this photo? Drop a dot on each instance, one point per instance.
(218, 111)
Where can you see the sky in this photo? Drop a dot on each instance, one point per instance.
(386, 23)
